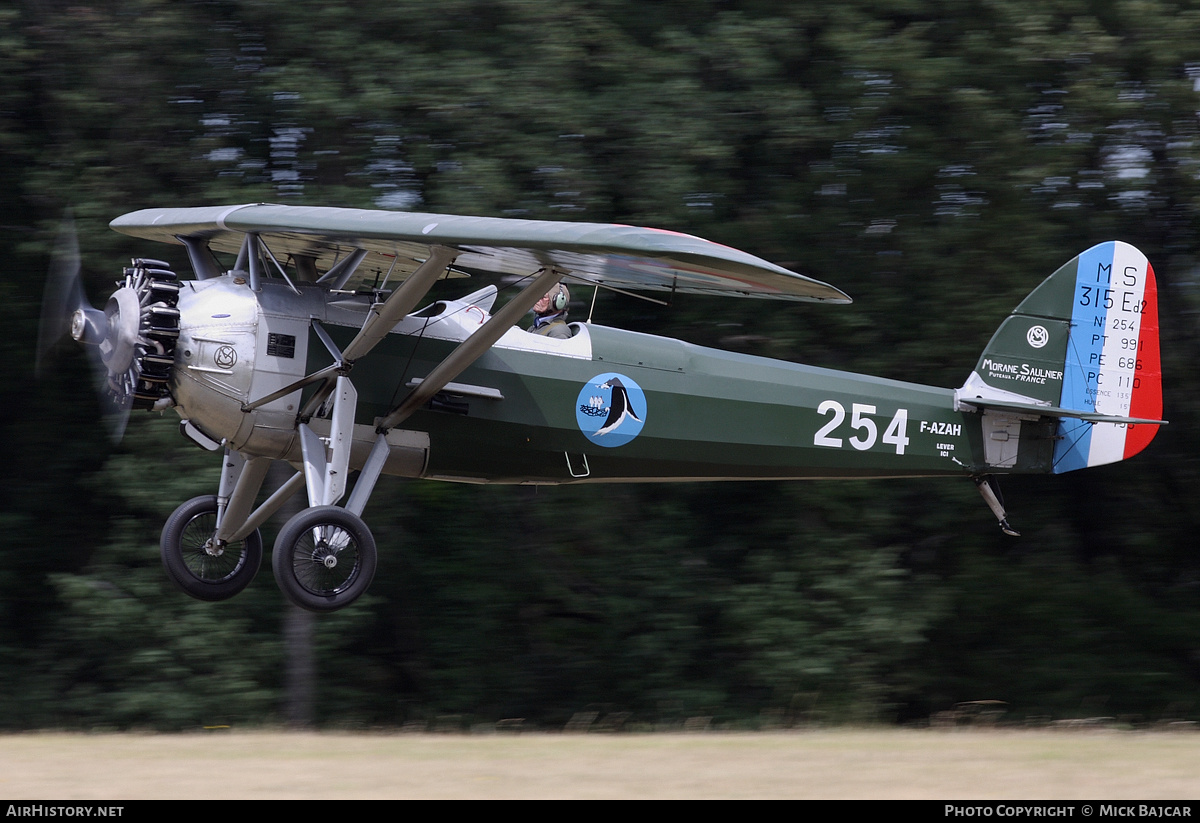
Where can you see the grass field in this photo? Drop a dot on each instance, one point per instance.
(965, 764)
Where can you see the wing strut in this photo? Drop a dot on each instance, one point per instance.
(470, 349)
(344, 269)
(382, 317)
(403, 300)
(254, 261)
(203, 263)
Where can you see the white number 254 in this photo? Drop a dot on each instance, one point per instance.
(896, 433)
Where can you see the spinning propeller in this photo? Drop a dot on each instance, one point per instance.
(131, 343)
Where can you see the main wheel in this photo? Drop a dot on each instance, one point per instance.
(196, 563)
(324, 558)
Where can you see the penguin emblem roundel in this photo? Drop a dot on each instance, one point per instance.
(611, 409)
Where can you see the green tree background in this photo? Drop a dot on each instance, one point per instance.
(934, 159)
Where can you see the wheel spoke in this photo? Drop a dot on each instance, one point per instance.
(195, 545)
(326, 560)
(193, 562)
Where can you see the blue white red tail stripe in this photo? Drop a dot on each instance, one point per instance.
(1112, 362)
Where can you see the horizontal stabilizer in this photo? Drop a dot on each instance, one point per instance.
(1059, 411)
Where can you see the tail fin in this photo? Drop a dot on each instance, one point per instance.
(1082, 347)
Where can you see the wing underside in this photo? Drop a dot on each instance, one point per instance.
(606, 254)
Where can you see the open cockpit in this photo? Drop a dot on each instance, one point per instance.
(455, 320)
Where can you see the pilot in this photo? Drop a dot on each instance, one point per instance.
(550, 313)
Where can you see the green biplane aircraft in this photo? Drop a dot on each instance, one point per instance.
(292, 355)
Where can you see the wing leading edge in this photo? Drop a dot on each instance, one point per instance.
(604, 253)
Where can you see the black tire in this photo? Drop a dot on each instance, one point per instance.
(324, 558)
(185, 547)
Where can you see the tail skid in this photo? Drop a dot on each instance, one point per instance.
(990, 489)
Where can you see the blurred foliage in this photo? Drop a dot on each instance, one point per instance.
(934, 159)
